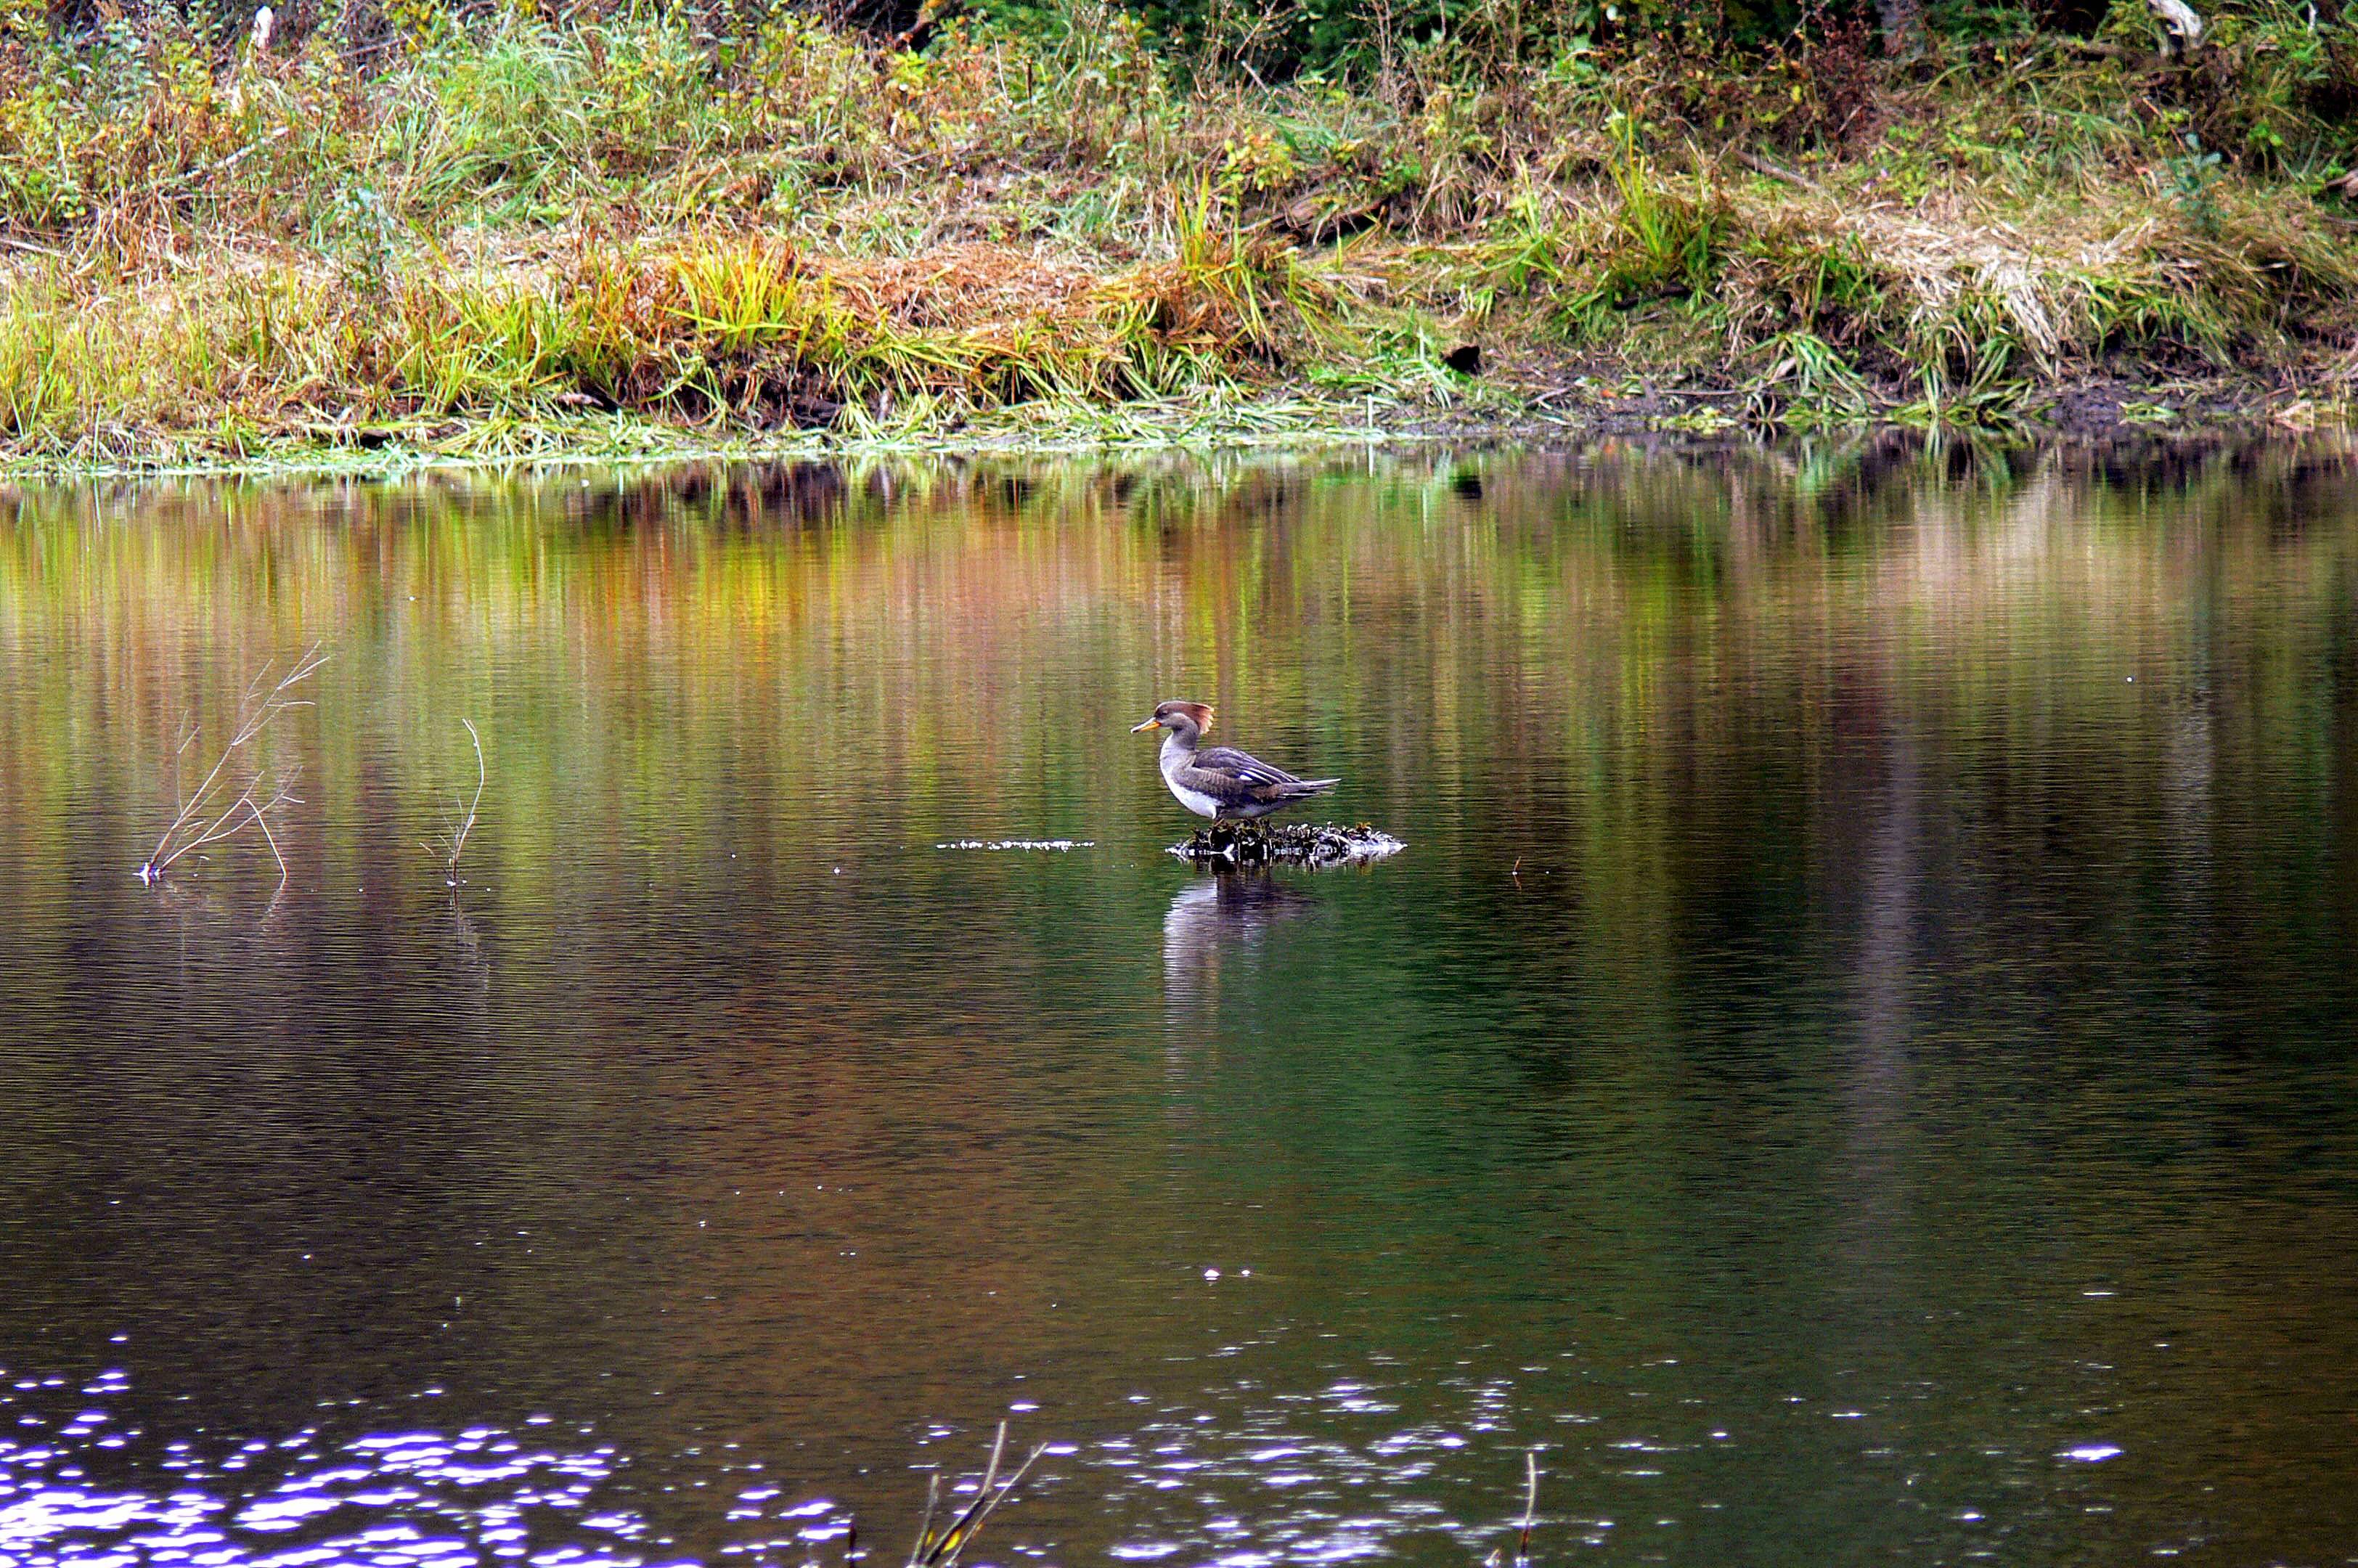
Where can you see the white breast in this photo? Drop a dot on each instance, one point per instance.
(1197, 801)
(1172, 759)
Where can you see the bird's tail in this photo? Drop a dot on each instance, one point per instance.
(1301, 788)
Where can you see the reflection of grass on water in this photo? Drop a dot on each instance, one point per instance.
(1624, 598)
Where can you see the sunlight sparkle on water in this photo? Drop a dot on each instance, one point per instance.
(393, 1499)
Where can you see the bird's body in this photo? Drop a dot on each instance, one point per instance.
(1221, 782)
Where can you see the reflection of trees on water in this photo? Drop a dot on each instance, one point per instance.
(742, 664)
(755, 660)
(1876, 1078)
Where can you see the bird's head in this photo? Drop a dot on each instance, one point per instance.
(1188, 720)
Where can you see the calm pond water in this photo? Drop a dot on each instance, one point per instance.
(1855, 1063)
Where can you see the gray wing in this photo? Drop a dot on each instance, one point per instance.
(1246, 770)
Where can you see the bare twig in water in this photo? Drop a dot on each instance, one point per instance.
(234, 795)
(1531, 1506)
(454, 843)
(925, 1520)
(1531, 1514)
(942, 1551)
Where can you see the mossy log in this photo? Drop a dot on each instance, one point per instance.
(1289, 844)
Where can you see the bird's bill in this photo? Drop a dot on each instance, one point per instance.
(1142, 728)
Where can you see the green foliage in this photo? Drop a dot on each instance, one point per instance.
(1664, 241)
(780, 222)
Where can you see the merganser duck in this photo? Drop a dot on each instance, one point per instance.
(1221, 782)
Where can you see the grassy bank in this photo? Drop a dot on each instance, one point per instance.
(639, 234)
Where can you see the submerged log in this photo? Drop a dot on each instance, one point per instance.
(1289, 844)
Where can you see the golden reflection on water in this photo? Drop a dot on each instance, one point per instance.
(887, 626)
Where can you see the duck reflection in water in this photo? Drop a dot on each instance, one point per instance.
(1219, 914)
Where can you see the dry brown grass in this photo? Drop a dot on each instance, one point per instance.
(544, 225)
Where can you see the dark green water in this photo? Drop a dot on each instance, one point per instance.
(1855, 1065)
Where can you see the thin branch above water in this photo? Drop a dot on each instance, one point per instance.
(942, 1551)
(454, 843)
(236, 792)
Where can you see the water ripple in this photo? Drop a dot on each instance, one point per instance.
(424, 1498)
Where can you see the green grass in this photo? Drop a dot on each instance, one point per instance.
(500, 238)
